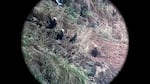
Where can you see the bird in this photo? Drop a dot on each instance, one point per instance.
(94, 51)
(73, 39)
(60, 35)
(59, 2)
(51, 23)
(114, 13)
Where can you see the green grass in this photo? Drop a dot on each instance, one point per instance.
(55, 68)
(65, 73)
(71, 15)
(88, 13)
(71, 11)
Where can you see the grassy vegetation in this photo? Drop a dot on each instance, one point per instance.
(55, 69)
(106, 33)
(87, 13)
(71, 16)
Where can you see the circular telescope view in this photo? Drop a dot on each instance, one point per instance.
(74, 41)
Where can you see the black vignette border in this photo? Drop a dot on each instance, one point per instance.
(128, 73)
(20, 73)
(16, 69)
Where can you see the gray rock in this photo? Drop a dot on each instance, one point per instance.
(101, 64)
(105, 73)
(92, 71)
(91, 82)
(90, 63)
(103, 79)
(90, 68)
(92, 24)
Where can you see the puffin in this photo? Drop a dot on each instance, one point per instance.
(60, 35)
(51, 22)
(73, 39)
(95, 51)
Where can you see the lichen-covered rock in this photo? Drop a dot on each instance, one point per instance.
(103, 79)
(92, 24)
(104, 73)
(89, 68)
